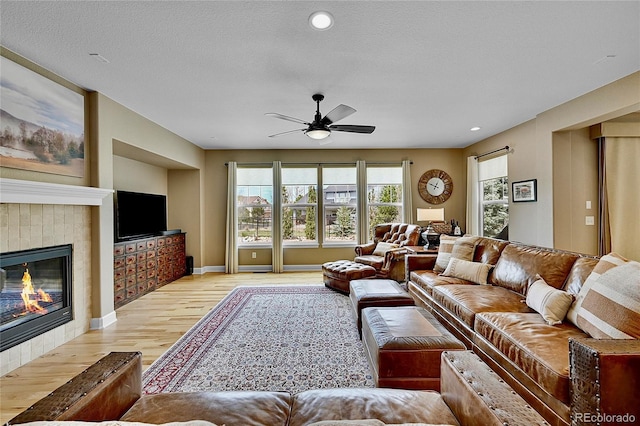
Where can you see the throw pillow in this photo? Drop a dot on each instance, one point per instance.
(471, 271)
(382, 248)
(606, 262)
(548, 301)
(611, 307)
(444, 252)
(464, 247)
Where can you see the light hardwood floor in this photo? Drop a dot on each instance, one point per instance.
(150, 325)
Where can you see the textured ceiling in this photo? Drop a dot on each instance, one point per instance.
(423, 72)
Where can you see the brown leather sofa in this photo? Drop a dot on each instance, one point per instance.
(556, 368)
(390, 263)
(111, 390)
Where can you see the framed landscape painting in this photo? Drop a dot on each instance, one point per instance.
(41, 123)
(525, 190)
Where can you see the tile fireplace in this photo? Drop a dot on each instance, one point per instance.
(35, 293)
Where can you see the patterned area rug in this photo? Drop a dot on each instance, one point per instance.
(284, 338)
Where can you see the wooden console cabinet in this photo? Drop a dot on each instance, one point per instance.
(140, 266)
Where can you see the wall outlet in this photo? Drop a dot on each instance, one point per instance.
(253, 255)
(589, 220)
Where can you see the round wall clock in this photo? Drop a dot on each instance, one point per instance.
(435, 186)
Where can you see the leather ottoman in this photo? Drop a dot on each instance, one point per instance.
(338, 274)
(404, 345)
(376, 293)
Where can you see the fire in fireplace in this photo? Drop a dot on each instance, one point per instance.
(35, 293)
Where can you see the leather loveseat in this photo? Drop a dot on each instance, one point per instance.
(559, 369)
(387, 250)
(110, 391)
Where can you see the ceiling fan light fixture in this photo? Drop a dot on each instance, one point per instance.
(318, 133)
(321, 20)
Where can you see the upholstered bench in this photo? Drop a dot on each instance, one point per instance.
(338, 274)
(376, 293)
(403, 345)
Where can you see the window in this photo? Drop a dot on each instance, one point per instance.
(339, 193)
(494, 195)
(254, 192)
(384, 196)
(299, 205)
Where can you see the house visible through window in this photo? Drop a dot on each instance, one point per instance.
(318, 204)
(254, 201)
(299, 205)
(339, 190)
(494, 197)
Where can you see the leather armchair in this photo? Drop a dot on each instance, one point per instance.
(389, 263)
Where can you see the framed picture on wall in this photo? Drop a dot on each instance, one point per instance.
(524, 191)
(41, 122)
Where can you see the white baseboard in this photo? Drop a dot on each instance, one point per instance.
(103, 322)
(257, 268)
(303, 268)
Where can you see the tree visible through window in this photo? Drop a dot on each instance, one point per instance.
(299, 204)
(494, 199)
(254, 199)
(339, 190)
(495, 206)
(384, 196)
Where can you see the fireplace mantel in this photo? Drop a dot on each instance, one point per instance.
(31, 192)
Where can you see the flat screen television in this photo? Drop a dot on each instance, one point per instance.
(139, 215)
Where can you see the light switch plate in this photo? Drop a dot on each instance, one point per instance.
(589, 220)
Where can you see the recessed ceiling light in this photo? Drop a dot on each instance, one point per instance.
(475, 129)
(321, 20)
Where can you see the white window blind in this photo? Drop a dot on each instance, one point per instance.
(493, 168)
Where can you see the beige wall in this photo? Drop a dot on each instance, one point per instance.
(138, 176)
(533, 156)
(521, 143)
(185, 195)
(575, 181)
(116, 129)
(449, 160)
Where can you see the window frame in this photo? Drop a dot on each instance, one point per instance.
(307, 243)
(399, 204)
(504, 201)
(254, 244)
(337, 205)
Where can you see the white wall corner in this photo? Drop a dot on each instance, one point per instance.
(103, 322)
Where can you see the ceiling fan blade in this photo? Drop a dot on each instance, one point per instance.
(352, 128)
(286, 117)
(338, 113)
(284, 133)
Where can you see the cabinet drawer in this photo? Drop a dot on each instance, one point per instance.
(118, 274)
(131, 281)
(118, 250)
(118, 262)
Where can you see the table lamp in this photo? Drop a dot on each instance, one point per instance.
(430, 215)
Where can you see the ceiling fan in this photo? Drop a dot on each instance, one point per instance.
(321, 127)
